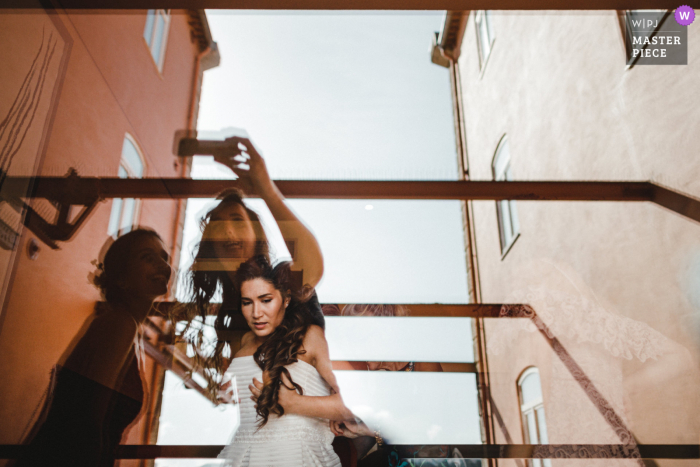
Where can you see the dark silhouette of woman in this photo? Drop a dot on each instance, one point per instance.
(98, 391)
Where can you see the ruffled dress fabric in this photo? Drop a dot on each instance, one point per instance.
(290, 440)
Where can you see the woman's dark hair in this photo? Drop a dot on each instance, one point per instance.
(115, 263)
(283, 346)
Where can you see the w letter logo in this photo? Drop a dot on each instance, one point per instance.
(684, 15)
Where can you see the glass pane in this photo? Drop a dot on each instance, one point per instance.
(531, 427)
(127, 215)
(344, 118)
(115, 216)
(398, 339)
(131, 157)
(502, 161)
(182, 405)
(397, 252)
(489, 25)
(530, 388)
(505, 218)
(484, 38)
(515, 228)
(148, 31)
(158, 38)
(122, 172)
(542, 425)
(408, 408)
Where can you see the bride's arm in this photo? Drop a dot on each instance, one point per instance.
(330, 407)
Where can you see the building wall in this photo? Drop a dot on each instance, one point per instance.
(111, 87)
(616, 283)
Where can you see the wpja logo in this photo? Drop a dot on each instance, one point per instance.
(654, 38)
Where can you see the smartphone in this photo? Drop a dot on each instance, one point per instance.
(188, 143)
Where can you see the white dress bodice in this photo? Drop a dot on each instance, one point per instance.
(289, 440)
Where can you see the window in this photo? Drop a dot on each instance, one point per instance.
(484, 35)
(532, 411)
(124, 211)
(156, 34)
(507, 214)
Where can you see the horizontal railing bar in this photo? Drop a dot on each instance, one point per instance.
(484, 310)
(447, 367)
(80, 190)
(469, 451)
(85, 190)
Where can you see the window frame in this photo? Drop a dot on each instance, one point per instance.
(123, 164)
(505, 242)
(151, 21)
(483, 17)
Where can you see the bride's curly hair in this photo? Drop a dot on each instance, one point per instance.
(283, 346)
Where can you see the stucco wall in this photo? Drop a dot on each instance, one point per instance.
(618, 282)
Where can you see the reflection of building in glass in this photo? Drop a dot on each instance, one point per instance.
(615, 335)
(80, 92)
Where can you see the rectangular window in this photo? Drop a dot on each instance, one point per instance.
(156, 34)
(484, 35)
(508, 224)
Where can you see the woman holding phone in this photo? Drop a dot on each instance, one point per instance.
(231, 234)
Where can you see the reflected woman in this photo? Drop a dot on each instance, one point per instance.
(231, 234)
(98, 391)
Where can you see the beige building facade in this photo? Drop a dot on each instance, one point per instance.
(615, 285)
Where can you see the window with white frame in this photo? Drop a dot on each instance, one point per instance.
(156, 34)
(532, 411)
(125, 211)
(508, 225)
(484, 35)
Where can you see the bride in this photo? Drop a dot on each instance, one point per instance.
(289, 354)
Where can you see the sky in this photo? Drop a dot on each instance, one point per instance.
(348, 97)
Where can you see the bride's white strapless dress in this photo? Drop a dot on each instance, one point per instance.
(289, 440)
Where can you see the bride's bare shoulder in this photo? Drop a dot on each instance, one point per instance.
(315, 339)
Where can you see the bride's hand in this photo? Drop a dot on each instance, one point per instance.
(255, 390)
(286, 397)
(226, 393)
(246, 162)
